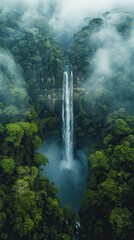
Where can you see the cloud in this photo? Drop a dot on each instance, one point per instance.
(70, 13)
(111, 66)
(75, 7)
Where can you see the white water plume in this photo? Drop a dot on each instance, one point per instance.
(67, 119)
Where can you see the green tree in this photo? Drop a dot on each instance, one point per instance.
(107, 210)
(7, 165)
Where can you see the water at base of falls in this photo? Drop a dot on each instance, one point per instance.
(70, 181)
(67, 119)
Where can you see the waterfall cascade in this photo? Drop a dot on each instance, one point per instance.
(68, 173)
(67, 118)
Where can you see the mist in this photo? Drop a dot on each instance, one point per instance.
(13, 94)
(70, 182)
(65, 15)
(11, 69)
(113, 58)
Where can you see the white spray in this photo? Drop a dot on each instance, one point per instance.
(67, 119)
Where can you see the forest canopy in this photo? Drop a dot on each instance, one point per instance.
(32, 60)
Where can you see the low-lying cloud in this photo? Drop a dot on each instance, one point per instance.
(69, 14)
(111, 67)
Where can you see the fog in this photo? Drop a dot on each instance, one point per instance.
(9, 69)
(111, 66)
(67, 15)
(73, 7)
(12, 85)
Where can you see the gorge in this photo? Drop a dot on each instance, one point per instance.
(66, 168)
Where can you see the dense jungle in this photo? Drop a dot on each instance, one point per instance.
(33, 56)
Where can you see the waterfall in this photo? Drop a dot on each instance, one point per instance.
(66, 170)
(67, 118)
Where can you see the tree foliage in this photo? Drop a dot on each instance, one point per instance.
(107, 207)
(31, 68)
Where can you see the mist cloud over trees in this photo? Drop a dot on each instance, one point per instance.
(37, 40)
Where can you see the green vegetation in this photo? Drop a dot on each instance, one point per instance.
(31, 66)
(107, 207)
(29, 208)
